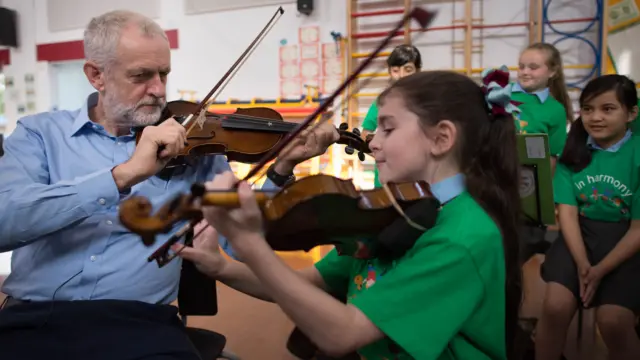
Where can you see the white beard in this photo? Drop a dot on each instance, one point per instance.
(131, 116)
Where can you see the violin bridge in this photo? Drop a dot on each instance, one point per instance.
(202, 118)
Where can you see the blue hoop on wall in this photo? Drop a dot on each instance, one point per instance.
(578, 34)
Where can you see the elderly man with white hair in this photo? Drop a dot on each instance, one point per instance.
(80, 286)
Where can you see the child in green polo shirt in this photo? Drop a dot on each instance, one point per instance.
(453, 292)
(545, 107)
(404, 60)
(596, 261)
(541, 89)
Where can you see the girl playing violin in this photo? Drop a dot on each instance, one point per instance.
(455, 293)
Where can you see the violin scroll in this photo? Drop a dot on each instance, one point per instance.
(136, 215)
(354, 141)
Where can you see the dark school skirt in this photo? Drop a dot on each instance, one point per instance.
(620, 287)
(94, 329)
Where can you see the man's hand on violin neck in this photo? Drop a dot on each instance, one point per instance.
(157, 146)
(309, 144)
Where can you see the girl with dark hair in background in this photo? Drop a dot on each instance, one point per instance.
(596, 260)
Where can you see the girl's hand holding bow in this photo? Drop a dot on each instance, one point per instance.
(242, 226)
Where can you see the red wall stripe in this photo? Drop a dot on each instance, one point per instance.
(74, 50)
(5, 57)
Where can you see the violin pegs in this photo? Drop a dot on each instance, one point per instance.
(343, 126)
(361, 155)
(356, 131)
(349, 150)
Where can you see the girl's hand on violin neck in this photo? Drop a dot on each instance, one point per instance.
(205, 253)
(309, 144)
(238, 224)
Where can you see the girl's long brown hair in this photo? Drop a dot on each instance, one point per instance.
(557, 84)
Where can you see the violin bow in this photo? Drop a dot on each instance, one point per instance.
(190, 121)
(424, 19)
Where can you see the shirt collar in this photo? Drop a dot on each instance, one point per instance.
(614, 148)
(542, 95)
(448, 188)
(82, 119)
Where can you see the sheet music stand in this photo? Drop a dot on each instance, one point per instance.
(536, 184)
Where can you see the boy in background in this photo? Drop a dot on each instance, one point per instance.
(403, 61)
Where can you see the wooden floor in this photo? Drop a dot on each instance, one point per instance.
(259, 330)
(254, 329)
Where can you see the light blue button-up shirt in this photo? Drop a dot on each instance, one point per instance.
(542, 95)
(449, 188)
(59, 213)
(613, 148)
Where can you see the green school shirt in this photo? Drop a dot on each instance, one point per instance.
(444, 299)
(370, 123)
(542, 117)
(608, 188)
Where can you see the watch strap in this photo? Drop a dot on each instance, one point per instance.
(277, 179)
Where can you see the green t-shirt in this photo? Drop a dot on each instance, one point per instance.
(608, 188)
(370, 123)
(537, 117)
(444, 299)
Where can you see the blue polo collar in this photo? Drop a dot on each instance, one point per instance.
(542, 95)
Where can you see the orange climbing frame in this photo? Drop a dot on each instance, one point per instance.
(468, 23)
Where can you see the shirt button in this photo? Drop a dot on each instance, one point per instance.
(102, 201)
(93, 258)
(109, 222)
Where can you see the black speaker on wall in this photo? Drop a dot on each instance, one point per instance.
(305, 7)
(1, 145)
(8, 27)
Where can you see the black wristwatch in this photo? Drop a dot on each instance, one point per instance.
(277, 179)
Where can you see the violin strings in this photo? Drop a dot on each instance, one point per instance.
(275, 124)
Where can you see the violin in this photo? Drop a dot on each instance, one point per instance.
(246, 135)
(316, 210)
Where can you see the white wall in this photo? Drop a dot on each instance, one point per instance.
(209, 44)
